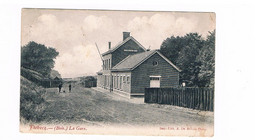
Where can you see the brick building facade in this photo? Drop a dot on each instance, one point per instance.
(129, 68)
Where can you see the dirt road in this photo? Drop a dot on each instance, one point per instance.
(91, 107)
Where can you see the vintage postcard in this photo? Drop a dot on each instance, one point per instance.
(108, 72)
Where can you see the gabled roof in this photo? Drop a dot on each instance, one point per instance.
(133, 61)
(121, 43)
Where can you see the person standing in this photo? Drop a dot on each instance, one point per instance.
(60, 86)
(70, 88)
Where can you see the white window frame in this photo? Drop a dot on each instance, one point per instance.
(155, 76)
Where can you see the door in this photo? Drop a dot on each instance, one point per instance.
(155, 81)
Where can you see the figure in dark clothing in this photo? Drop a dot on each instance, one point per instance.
(60, 86)
(70, 88)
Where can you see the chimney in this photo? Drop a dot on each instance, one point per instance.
(126, 35)
(109, 45)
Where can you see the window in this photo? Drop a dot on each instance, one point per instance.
(155, 63)
(120, 82)
(123, 79)
(108, 81)
(117, 81)
(108, 63)
(103, 64)
(105, 80)
(112, 82)
(128, 79)
(155, 81)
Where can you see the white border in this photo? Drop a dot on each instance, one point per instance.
(237, 62)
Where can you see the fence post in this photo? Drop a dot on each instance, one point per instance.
(203, 99)
(188, 94)
(179, 98)
(206, 100)
(199, 99)
(157, 96)
(182, 92)
(192, 98)
(173, 97)
(145, 95)
(212, 99)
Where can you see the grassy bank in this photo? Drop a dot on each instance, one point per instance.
(32, 102)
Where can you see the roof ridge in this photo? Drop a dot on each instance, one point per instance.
(148, 56)
(139, 43)
(142, 60)
(157, 51)
(167, 60)
(117, 45)
(128, 57)
(123, 42)
(134, 55)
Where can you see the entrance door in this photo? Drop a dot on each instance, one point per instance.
(155, 81)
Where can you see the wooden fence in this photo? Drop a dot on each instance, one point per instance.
(195, 98)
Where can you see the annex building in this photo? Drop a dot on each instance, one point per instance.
(129, 68)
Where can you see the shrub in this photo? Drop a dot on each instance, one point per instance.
(32, 103)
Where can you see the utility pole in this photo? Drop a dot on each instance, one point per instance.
(99, 54)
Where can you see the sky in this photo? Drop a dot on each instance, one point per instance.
(73, 33)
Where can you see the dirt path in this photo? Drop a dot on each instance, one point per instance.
(91, 107)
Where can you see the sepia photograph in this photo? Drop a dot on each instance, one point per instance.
(117, 72)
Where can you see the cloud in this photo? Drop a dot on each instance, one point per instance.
(77, 54)
(158, 27)
(81, 60)
(49, 30)
(101, 30)
(47, 19)
(45, 28)
(92, 23)
(74, 35)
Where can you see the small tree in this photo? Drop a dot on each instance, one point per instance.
(38, 57)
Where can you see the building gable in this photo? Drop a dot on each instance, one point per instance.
(128, 48)
(130, 38)
(161, 55)
(153, 66)
(131, 62)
